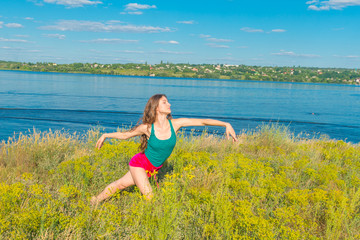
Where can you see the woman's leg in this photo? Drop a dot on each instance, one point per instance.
(142, 181)
(124, 182)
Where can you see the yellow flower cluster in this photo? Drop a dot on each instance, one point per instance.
(268, 187)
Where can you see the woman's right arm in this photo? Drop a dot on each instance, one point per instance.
(140, 130)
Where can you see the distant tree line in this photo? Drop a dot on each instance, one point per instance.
(186, 70)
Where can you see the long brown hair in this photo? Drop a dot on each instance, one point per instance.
(149, 117)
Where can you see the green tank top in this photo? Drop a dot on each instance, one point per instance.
(157, 150)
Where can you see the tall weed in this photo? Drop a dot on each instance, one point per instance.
(269, 185)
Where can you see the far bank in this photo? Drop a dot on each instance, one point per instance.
(199, 71)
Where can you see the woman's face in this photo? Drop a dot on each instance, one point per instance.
(164, 106)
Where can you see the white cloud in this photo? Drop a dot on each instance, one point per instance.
(89, 26)
(135, 13)
(114, 40)
(136, 6)
(204, 36)
(20, 49)
(224, 60)
(278, 30)
(321, 8)
(242, 47)
(129, 51)
(51, 57)
(292, 54)
(29, 18)
(167, 42)
(22, 36)
(113, 21)
(14, 25)
(331, 4)
(11, 48)
(171, 52)
(186, 22)
(251, 30)
(59, 36)
(36, 2)
(348, 56)
(132, 13)
(133, 8)
(96, 51)
(257, 59)
(1, 23)
(73, 3)
(213, 45)
(13, 40)
(219, 40)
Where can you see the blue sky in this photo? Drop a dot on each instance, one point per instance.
(263, 33)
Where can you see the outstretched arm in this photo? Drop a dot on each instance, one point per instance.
(140, 130)
(185, 122)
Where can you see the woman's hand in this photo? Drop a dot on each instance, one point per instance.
(100, 141)
(230, 131)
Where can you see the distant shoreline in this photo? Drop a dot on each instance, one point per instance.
(198, 71)
(208, 79)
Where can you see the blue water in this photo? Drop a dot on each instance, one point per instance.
(78, 102)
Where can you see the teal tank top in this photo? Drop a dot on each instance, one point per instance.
(157, 150)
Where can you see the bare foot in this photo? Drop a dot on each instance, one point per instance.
(94, 201)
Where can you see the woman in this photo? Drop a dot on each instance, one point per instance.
(158, 138)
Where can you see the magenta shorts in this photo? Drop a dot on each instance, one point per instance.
(140, 160)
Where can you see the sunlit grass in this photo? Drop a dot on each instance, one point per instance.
(269, 185)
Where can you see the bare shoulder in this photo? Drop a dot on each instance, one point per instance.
(177, 123)
(142, 129)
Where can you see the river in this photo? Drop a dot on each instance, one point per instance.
(78, 102)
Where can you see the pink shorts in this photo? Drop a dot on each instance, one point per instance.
(140, 160)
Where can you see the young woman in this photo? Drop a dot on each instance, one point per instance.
(158, 138)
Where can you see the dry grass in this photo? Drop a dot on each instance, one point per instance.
(269, 185)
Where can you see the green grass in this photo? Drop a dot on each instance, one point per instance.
(269, 185)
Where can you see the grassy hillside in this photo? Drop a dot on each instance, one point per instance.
(269, 185)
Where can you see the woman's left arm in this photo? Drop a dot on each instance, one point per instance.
(186, 122)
